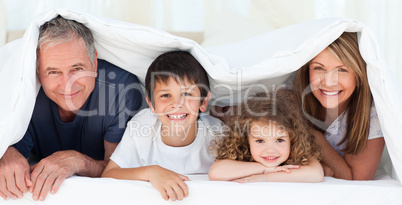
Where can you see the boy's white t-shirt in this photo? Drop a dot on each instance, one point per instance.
(142, 145)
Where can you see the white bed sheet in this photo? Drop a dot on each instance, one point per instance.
(84, 190)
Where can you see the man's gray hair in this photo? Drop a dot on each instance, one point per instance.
(61, 30)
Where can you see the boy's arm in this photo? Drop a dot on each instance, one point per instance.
(228, 169)
(113, 170)
(312, 172)
(170, 184)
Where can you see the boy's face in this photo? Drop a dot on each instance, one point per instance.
(177, 105)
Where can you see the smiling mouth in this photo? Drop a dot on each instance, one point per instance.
(330, 93)
(69, 95)
(270, 158)
(177, 117)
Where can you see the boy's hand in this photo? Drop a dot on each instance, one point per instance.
(284, 168)
(170, 184)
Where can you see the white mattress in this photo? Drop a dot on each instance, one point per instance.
(84, 190)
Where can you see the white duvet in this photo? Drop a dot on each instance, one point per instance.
(235, 68)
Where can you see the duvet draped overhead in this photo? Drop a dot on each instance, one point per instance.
(235, 69)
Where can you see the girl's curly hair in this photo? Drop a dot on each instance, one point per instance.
(280, 107)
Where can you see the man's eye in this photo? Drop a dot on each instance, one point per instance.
(78, 69)
(53, 72)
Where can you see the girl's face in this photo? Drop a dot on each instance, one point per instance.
(269, 143)
(331, 81)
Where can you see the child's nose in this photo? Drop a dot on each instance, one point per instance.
(178, 106)
(177, 102)
(269, 148)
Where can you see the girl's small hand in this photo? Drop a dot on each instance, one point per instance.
(284, 168)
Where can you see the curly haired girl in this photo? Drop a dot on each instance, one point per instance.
(268, 141)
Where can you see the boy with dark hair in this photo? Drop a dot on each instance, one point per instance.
(170, 139)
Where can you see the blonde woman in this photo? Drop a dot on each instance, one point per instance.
(335, 95)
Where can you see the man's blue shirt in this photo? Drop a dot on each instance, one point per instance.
(115, 99)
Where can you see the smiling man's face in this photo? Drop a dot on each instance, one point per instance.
(66, 74)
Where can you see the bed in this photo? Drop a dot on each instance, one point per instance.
(234, 72)
(84, 190)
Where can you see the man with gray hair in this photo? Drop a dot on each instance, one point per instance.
(79, 116)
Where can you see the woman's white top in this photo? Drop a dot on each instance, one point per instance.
(337, 130)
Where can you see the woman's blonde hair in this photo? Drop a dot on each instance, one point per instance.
(345, 49)
(280, 107)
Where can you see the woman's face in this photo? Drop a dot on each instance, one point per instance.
(332, 83)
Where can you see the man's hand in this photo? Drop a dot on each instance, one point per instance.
(170, 184)
(51, 171)
(14, 174)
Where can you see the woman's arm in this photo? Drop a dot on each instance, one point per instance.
(312, 172)
(352, 167)
(331, 158)
(228, 169)
(364, 165)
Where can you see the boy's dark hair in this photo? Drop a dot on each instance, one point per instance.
(180, 65)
